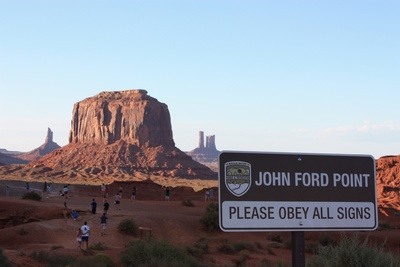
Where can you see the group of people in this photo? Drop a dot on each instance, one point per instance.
(82, 234)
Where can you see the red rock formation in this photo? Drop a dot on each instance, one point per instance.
(207, 155)
(388, 181)
(129, 115)
(114, 135)
(48, 146)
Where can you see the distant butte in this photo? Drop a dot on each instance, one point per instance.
(206, 154)
(48, 146)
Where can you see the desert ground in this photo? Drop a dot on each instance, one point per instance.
(45, 228)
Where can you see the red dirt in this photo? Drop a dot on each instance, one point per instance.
(46, 229)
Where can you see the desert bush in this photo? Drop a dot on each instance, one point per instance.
(98, 260)
(199, 248)
(128, 227)
(32, 195)
(22, 231)
(239, 246)
(326, 240)
(243, 257)
(98, 246)
(187, 203)
(275, 237)
(351, 252)
(210, 218)
(52, 259)
(226, 247)
(383, 225)
(156, 253)
(4, 262)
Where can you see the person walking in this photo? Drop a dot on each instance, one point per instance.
(117, 200)
(106, 206)
(65, 211)
(211, 194)
(167, 193)
(94, 206)
(133, 196)
(103, 222)
(85, 234)
(27, 187)
(79, 237)
(44, 189)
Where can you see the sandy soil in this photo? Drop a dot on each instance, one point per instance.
(47, 230)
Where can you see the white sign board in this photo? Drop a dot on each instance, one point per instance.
(296, 192)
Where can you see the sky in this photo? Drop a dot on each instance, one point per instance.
(265, 76)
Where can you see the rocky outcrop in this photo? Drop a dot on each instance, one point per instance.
(115, 136)
(208, 154)
(131, 116)
(48, 146)
(388, 181)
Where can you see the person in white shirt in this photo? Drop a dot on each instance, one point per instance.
(85, 234)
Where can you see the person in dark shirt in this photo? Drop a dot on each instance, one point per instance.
(106, 206)
(103, 222)
(94, 206)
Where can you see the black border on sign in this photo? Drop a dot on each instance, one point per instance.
(276, 229)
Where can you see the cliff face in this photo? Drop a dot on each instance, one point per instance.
(116, 136)
(131, 116)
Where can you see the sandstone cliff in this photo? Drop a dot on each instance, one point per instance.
(114, 136)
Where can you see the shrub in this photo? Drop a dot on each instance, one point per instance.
(239, 246)
(22, 231)
(383, 225)
(32, 195)
(326, 240)
(98, 260)
(98, 246)
(4, 262)
(52, 259)
(187, 203)
(210, 218)
(275, 237)
(199, 248)
(350, 252)
(128, 227)
(226, 247)
(155, 253)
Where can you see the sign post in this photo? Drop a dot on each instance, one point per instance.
(296, 192)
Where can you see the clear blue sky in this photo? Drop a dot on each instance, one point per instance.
(273, 76)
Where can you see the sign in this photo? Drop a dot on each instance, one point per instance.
(296, 192)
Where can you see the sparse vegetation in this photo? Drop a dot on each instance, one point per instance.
(210, 218)
(98, 260)
(22, 231)
(187, 203)
(32, 195)
(128, 227)
(156, 253)
(4, 262)
(52, 259)
(275, 237)
(351, 252)
(383, 225)
(199, 248)
(98, 246)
